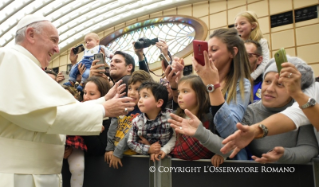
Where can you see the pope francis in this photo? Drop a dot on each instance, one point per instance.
(36, 112)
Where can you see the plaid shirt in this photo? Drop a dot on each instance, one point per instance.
(189, 148)
(152, 130)
(76, 142)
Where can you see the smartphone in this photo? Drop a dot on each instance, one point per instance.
(78, 49)
(280, 57)
(199, 47)
(66, 77)
(99, 56)
(166, 63)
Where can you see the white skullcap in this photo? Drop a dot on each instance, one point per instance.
(31, 18)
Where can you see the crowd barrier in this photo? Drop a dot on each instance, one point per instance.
(139, 171)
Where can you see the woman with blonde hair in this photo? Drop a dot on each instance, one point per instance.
(248, 28)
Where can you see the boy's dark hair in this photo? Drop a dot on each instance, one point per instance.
(139, 76)
(48, 71)
(159, 91)
(317, 79)
(128, 59)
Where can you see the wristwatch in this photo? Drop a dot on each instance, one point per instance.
(210, 87)
(311, 102)
(264, 130)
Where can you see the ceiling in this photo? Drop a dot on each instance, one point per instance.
(74, 19)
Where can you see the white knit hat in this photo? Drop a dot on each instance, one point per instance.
(31, 18)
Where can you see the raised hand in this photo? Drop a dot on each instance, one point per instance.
(185, 126)
(208, 73)
(139, 53)
(291, 78)
(118, 88)
(95, 71)
(73, 57)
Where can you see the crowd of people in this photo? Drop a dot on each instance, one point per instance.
(225, 111)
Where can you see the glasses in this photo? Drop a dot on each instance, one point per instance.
(252, 54)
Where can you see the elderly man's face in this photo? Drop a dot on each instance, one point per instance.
(46, 44)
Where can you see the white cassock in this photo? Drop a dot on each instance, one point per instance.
(34, 113)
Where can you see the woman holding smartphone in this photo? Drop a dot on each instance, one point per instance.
(226, 75)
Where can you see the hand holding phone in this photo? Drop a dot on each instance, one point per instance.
(280, 57)
(165, 61)
(78, 49)
(100, 57)
(199, 47)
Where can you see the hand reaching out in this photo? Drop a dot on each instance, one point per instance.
(272, 156)
(118, 106)
(185, 126)
(118, 88)
(240, 139)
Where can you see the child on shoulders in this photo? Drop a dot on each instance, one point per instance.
(92, 47)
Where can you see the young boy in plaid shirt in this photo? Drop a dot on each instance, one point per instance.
(151, 133)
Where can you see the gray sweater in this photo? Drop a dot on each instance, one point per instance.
(300, 145)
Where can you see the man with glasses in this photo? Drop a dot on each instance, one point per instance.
(255, 57)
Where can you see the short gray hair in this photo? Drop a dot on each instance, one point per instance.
(20, 34)
(307, 76)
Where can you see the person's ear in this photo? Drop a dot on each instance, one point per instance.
(259, 60)
(235, 51)
(159, 103)
(30, 35)
(129, 67)
(253, 26)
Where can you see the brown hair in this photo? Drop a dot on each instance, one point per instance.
(102, 84)
(139, 76)
(202, 96)
(240, 66)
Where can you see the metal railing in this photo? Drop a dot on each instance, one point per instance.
(139, 171)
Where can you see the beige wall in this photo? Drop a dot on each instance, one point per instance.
(300, 39)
